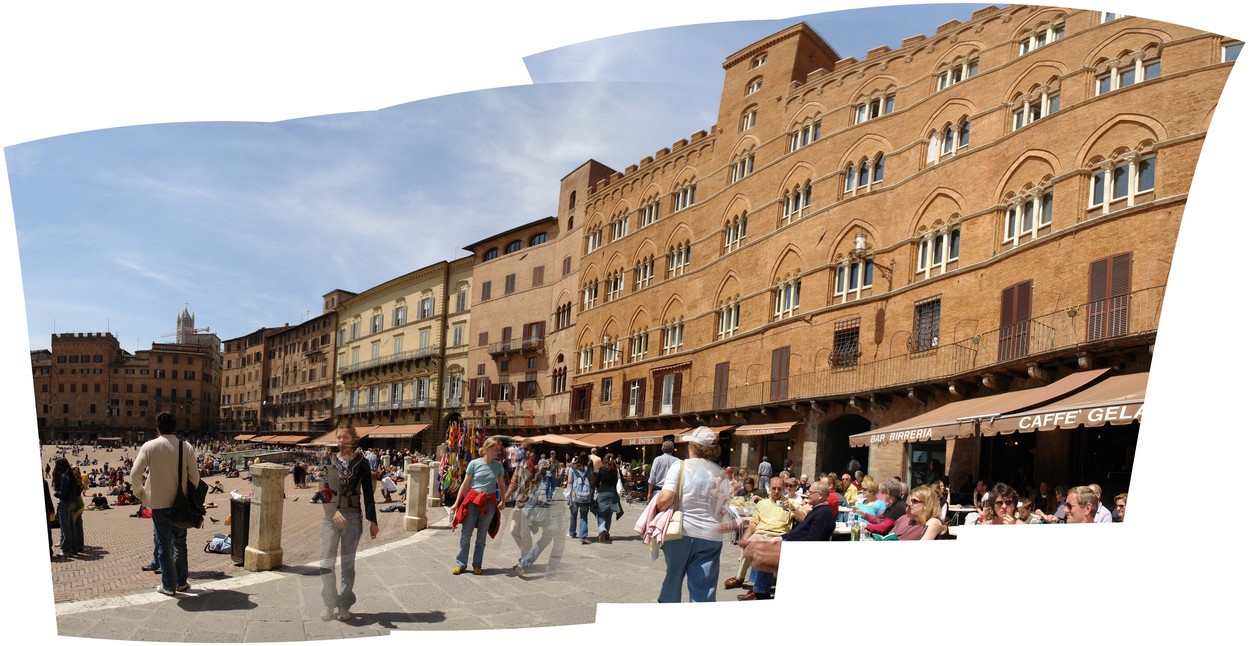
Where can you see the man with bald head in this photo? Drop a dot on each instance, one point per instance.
(1103, 515)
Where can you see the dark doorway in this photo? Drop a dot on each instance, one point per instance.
(1103, 455)
(835, 452)
(1009, 459)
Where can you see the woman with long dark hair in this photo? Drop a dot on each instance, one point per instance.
(581, 497)
(69, 501)
(607, 500)
(351, 485)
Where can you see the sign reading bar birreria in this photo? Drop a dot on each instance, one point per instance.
(1050, 420)
(914, 435)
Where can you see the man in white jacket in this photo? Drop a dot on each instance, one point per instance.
(155, 479)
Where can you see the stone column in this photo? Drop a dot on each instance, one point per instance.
(386, 461)
(435, 500)
(809, 440)
(264, 542)
(418, 490)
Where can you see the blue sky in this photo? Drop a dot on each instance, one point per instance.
(248, 224)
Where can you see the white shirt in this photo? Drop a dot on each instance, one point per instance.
(157, 488)
(704, 494)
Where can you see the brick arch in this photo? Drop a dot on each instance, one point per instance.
(746, 144)
(1129, 40)
(617, 260)
(956, 106)
(1120, 131)
(940, 204)
(789, 264)
(866, 146)
(564, 297)
(641, 320)
(595, 221)
(1030, 166)
(1045, 17)
(609, 328)
(798, 175)
(810, 112)
(674, 308)
(958, 52)
(686, 175)
(1043, 72)
(730, 287)
(646, 250)
(586, 338)
(738, 205)
(621, 207)
(589, 271)
(680, 234)
(874, 86)
(845, 237)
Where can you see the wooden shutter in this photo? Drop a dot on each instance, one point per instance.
(641, 408)
(1013, 332)
(538, 276)
(1110, 281)
(483, 338)
(780, 375)
(625, 384)
(657, 394)
(540, 329)
(720, 385)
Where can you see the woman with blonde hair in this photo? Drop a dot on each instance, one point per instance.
(477, 504)
(870, 505)
(923, 521)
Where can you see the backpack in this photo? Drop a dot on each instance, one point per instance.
(218, 544)
(581, 488)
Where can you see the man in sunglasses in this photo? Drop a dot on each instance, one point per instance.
(1082, 505)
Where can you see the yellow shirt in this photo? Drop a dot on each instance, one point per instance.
(851, 493)
(769, 516)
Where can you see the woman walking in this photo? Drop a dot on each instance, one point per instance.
(697, 486)
(351, 485)
(607, 500)
(477, 504)
(69, 503)
(581, 496)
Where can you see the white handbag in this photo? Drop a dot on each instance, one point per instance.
(673, 531)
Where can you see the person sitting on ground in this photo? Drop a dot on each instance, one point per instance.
(1001, 509)
(923, 521)
(216, 487)
(388, 487)
(125, 498)
(98, 501)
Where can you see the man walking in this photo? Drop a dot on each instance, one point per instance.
(765, 470)
(156, 480)
(659, 468)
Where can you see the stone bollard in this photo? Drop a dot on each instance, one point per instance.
(435, 499)
(264, 542)
(386, 461)
(418, 483)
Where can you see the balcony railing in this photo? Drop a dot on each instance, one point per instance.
(1065, 330)
(527, 344)
(389, 359)
(403, 404)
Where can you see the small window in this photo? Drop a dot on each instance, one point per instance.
(755, 86)
(748, 120)
(538, 238)
(1231, 51)
(759, 60)
(513, 246)
(491, 253)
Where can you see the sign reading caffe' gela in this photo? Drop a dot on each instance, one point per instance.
(1118, 414)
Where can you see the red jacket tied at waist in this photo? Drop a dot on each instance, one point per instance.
(484, 503)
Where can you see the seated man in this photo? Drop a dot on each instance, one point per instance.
(1082, 505)
(819, 522)
(772, 518)
(98, 501)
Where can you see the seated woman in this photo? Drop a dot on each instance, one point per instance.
(923, 521)
(1001, 508)
(892, 491)
(216, 487)
(870, 504)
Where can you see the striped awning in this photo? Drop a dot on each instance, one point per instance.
(764, 429)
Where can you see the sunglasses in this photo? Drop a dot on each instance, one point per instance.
(915, 501)
(1004, 503)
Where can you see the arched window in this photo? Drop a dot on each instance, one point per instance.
(786, 298)
(937, 249)
(735, 232)
(1122, 181)
(1043, 36)
(878, 168)
(795, 201)
(512, 247)
(538, 238)
(1027, 215)
(572, 199)
(960, 70)
(950, 140)
(491, 253)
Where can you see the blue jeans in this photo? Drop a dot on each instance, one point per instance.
(527, 521)
(551, 487)
(340, 544)
(695, 559)
(156, 547)
(604, 519)
(173, 543)
(764, 581)
(579, 519)
(67, 518)
(474, 519)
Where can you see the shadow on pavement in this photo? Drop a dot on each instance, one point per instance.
(216, 600)
(302, 570)
(207, 575)
(392, 619)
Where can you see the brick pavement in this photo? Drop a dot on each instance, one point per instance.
(117, 545)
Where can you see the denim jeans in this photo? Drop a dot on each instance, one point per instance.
(67, 519)
(341, 544)
(173, 541)
(695, 559)
(551, 487)
(156, 547)
(526, 521)
(474, 519)
(603, 518)
(579, 519)
(764, 581)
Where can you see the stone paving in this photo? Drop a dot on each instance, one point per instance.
(403, 581)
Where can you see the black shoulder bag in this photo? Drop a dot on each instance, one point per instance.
(188, 510)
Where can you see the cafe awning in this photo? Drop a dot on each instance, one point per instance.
(564, 440)
(1115, 400)
(958, 419)
(260, 439)
(392, 432)
(326, 439)
(245, 436)
(763, 429)
(288, 439)
(645, 438)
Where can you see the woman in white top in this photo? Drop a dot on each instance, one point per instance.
(704, 493)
